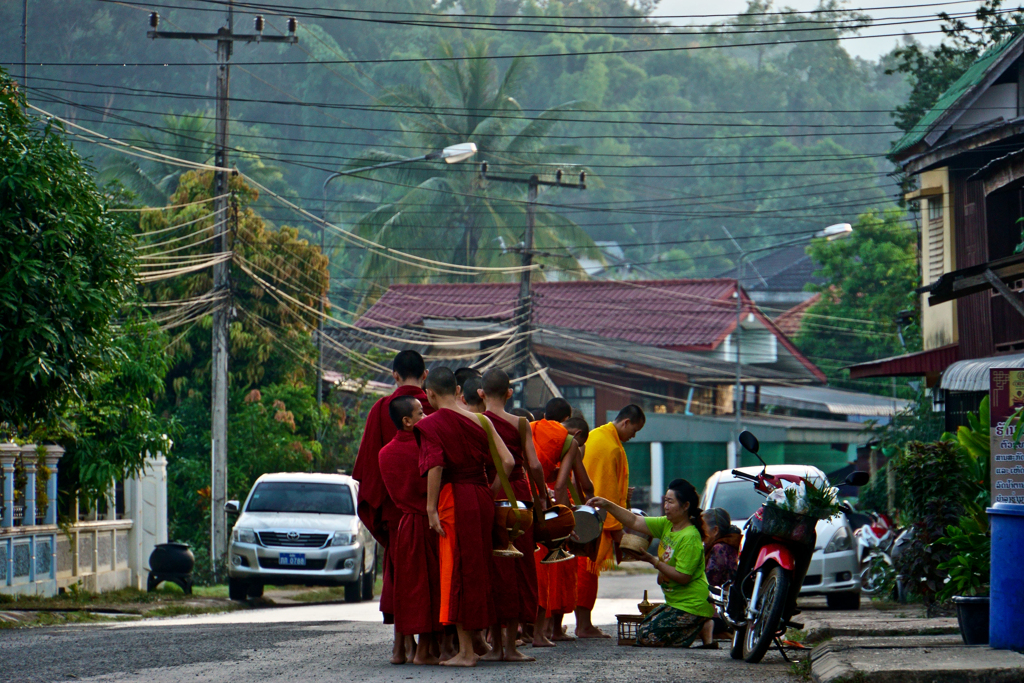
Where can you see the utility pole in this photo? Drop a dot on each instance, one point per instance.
(226, 38)
(24, 44)
(524, 305)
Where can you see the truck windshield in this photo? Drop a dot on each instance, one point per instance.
(298, 496)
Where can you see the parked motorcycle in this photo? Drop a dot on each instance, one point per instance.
(875, 540)
(777, 550)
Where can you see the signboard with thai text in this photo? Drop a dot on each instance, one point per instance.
(1006, 397)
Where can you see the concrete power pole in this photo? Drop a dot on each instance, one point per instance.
(524, 305)
(226, 38)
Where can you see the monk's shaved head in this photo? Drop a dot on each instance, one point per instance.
(441, 381)
(496, 383)
(470, 393)
(557, 410)
(401, 407)
(462, 374)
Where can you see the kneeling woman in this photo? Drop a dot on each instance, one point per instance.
(680, 567)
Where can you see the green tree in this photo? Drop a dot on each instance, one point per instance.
(932, 70)
(869, 278)
(66, 267)
(189, 136)
(452, 215)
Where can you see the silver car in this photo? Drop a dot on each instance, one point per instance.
(834, 569)
(300, 529)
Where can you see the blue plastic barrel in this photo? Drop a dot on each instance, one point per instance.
(1006, 613)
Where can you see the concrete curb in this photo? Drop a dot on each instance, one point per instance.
(913, 660)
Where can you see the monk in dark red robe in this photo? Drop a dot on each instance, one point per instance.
(374, 506)
(516, 600)
(454, 450)
(417, 584)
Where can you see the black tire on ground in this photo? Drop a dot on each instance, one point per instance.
(354, 590)
(237, 589)
(761, 633)
(736, 651)
(844, 601)
(255, 590)
(368, 582)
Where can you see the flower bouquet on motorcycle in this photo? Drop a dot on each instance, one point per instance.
(777, 549)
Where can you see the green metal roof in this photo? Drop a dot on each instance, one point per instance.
(970, 78)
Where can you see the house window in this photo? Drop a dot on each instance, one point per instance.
(582, 399)
(936, 246)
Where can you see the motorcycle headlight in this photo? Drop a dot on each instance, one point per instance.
(841, 541)
(245, 535)
(342, 538)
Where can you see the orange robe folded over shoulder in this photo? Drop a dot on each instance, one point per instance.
(466, 507)
(549, 440)
(415, 553)
(515, 579)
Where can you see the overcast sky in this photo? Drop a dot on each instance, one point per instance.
(868, 47)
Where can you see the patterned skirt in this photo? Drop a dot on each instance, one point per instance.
(667, 626)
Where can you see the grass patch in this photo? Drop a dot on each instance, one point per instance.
(801, 669)
(63, 618)
(796, 635)
(185, 609)
(332, 594)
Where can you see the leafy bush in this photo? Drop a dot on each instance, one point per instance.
(969, 566)
(934, 478)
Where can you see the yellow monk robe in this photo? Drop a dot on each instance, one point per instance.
(606, 464)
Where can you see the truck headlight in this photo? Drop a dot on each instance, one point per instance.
(342, 538)
(245, 535)
(841, 540)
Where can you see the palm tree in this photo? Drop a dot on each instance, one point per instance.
(451, 214)
(189, 136)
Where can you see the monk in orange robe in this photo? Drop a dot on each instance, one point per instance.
(375, 508)
(556, 451)
(606, 464)
(454, 449)
(516, 602)
(417, 584)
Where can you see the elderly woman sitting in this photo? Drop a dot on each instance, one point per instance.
(722, 548)
(680, 567)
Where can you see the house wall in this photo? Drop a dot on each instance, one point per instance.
(974, 319)
(938, 256)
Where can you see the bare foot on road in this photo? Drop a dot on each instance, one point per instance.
(541, 641)
(495, 655)
(557, 637)
(518, 657)
(462, 659)
(426, 661)
(591, 632)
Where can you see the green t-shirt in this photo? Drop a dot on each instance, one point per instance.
(684, 551)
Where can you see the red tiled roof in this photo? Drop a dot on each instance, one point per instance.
(789, 321)
(677, 314)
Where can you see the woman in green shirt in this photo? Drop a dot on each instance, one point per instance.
(680, 565)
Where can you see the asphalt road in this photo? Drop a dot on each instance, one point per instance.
(299, 644)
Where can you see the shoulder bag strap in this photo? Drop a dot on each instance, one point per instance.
(485, 424)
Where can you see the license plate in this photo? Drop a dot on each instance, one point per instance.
(292, 559)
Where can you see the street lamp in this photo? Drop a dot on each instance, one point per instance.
(452, 154)
(831, 233)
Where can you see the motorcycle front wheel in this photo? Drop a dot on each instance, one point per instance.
(772, 601)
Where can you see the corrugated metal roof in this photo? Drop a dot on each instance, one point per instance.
(972, 375)
(963, 85)
(680, 314)
(909, 364)
(829, 400)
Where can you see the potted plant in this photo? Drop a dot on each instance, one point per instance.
(967, 582)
